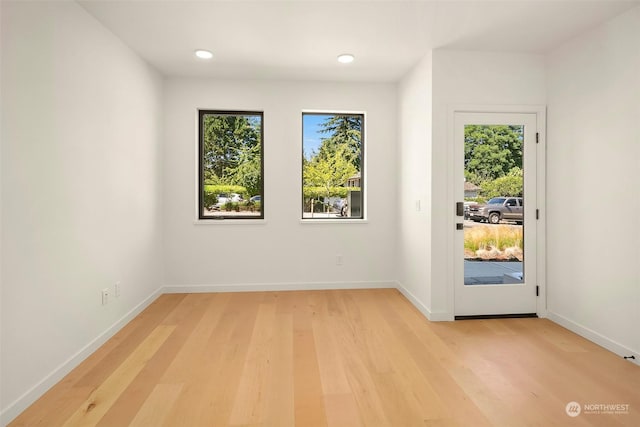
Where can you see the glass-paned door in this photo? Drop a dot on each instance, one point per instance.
(495, 156)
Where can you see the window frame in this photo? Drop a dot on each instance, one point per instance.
(363, 134)
(200, 187)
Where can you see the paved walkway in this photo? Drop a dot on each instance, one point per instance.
(489, 272)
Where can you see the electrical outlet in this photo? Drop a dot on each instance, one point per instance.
(338, 259)
(105, 296)
(116, 289)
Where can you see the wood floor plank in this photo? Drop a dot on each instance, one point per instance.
(197, 327)
(332, 374)
(201, 311)
(76, 387)
(358, 365)
(335, 358)
(579, 377)
(342, 410)
(443, 358)
(209, 393)
(308, 397)
(339, 402)
(154, 410)
(280, 395)
(55, 410)
(412, 395)
(101, 399)
(256, 377)
(117, 349)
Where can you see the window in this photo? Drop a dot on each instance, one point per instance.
(231, 165)
(496, 201)
(332, 166)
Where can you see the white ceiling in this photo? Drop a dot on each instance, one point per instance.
(300, 39)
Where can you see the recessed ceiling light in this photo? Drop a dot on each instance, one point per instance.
(203, 54)
(346, 58)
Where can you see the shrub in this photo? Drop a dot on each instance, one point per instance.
(226, 189)
(498, 241)
(250, 206)
(321, 192)
(480, 200)
(508, 185)
(209, 200)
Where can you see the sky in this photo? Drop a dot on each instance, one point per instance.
(311, 137)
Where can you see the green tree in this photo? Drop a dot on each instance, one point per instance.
(491, 151)
(247, 171)
(232, 150)
(328, 171)
(510, 184)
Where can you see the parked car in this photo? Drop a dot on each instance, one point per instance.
(226, 198)
(340, 206)
(497, 209)
(256, 199)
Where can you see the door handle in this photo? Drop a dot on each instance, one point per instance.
(460, 209)
(459, 226)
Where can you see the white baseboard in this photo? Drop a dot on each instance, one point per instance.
(438, 316)
(257, 287)
(594, 336)
(30, 396)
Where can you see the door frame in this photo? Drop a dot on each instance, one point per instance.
(541, 112)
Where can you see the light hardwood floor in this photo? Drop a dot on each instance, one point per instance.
(334, 358)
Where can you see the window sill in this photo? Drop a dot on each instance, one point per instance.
(333, 221)
(229, 222)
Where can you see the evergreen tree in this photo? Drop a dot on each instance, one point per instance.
(343, 131)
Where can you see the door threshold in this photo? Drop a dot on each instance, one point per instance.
(496, 316)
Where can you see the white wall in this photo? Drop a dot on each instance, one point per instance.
(593, 196)
(460, 78)
(80, 190)
(1, 139)
(280, 251)
(414, 184)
